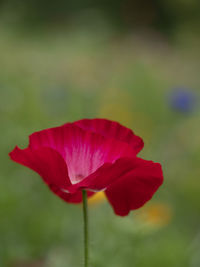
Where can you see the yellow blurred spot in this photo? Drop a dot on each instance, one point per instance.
(116, 106)
(157, 214)
(97, 198)
(119, 106)
(116, 112)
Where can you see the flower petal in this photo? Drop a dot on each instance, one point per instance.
(136, 187)
(112, 129)
(71, 198)
(105, 175)
(83, 151)
(47, 162)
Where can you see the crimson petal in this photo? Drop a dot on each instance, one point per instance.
(49, 164)
(112, 129)
(83, 151)
(105, 175)
(75, 197)
(136, 187)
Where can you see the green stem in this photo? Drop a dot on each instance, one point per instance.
(85, 218)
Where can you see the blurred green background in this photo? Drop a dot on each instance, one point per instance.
(136, 62)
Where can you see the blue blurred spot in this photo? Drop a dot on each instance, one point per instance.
(182, 100)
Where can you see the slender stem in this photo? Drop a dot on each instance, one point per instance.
(85, 218)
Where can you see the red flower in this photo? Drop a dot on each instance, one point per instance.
(95, 155)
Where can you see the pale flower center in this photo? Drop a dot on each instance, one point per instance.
(77, 178)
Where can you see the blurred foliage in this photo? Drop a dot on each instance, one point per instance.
(163, 15)
(86, 69)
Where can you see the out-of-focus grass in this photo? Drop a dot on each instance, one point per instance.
(47, 80)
